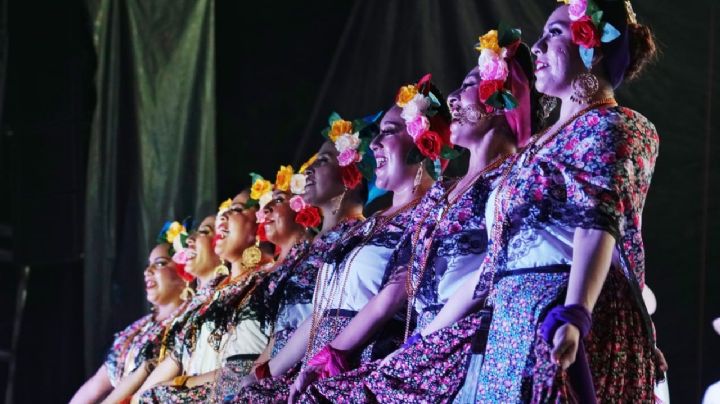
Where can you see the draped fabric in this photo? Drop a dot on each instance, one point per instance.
(152, 147)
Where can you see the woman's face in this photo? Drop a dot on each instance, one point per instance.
(557, 58)
(280, 219)
(236, 228)
(201, 258)
(391, 148)
(470, 121)
(162, 283)
(324, 180)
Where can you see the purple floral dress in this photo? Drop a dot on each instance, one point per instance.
(453, 239)
(594, 174)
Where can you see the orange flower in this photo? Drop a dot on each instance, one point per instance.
(405, 94)
(282, 178)
(307, 163)
(259, 188)
(338, 128)
(489, 41)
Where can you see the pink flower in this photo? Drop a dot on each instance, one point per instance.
(260, 216)
(417, 126)
(577, 9)
(348, 157)
(492, 66)
(593, 120)
(180, 257)
(297, 203)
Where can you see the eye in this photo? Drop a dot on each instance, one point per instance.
(204, 232)
(161, 264)
(237, 209)
(554, 31)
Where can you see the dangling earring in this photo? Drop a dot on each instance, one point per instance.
(584, 86)
(221, 269)
(547, 105)
(338, 202)
(418, 178)
(252, 255)
(187, 293)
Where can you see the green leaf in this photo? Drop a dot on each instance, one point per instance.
(448, 153)
(597, 17)
(326, 133)
(430, 168)
(414, 156)
(367, 168)
(254, 177)
(496, 100)
(507, 35)
(433, 100)
(251, 203)
(334, 116)
(592, 7)
(508, 100)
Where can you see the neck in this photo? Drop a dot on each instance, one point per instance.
(290, 241)
(568, 107)
(495, 143)
(205, 278)
(407, 191)
(237, 269)
(163, 311)
(330, 219)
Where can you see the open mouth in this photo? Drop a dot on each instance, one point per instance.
(191, 254)
(150, 284)
(380, 161)
(540, 65)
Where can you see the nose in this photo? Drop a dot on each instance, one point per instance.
(540, 46)
(149, 270)
(376, 144)
(453, 99)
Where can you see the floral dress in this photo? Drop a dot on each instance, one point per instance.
(594, 174)
(363, 262)
(451, 239)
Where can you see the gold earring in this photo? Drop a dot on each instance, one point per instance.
(187, 293)
(338, 202)
(547, 105)
(221, 269)
(584, 86)
(252, 255)
(418, 178)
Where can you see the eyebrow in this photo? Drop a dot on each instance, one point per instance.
(394, 123)
(562, 24)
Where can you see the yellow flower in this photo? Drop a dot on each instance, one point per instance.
(174, 231)
(282, 178)
(259, 188)
(489, 41)
(405, 94)
(225, 205)
(338, 128)
(564, 1)
(307, 163)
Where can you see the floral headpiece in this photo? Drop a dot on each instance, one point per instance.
(429, 130)
(352, 141)
(496, 48)
(588, 29)
(176, 234)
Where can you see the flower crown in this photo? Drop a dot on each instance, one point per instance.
(431, 135)
(176, 234)
(588, 29)
(352, 141)
(496, 47)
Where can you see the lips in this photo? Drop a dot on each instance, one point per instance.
(150, 284)
(540, 65)
(381, 161)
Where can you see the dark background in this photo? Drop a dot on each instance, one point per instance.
(281, 67)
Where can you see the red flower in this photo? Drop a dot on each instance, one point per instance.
(584, 33)
(260, 232)
(308, 217)
(429, 144)
(180, 270)
(488, 88)
(351, 176)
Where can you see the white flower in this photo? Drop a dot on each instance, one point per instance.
(297, 184)
(492, 66)
(347, 142)
(417, 106)
(265, 199)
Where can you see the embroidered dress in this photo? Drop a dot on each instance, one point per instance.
(452, 242)
(361, 262)
(594, 174)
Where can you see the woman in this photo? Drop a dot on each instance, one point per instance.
(205, 340)
(448, 241)
(565, 226)
(354, 270)
(139, 343)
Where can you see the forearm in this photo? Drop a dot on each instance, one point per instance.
(460, 304)
(592, 255)
(293, 351)
(376, 313)
(165, 371)
(94, 389)
(127, 386)
(265, 355)
(208, 377)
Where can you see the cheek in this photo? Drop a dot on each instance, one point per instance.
(470, 96)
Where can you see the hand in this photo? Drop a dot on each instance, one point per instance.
(388, 358)
(565, 345)
(248, 380)
(304, 379)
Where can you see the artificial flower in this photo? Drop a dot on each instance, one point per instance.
(417, 106)
(297, 203)
(488, 88)
(417, 126)
(225, 206)
(405, 94)
(577, 9)
(260, 216)
(282, 178)
(297, 184)
(265, 199)
(174, 231)
(260, 187)
(584, 33)
(348, 157)
(489, 41)
(564, 1)
(347, 142)
(307, 163)
(338, 128)
(492, 66)
(351, 176)
(260, 233)
(308, 217)
(182, 273)
(429, 144)
(180, 257)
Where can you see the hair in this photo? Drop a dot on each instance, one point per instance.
(523, 56)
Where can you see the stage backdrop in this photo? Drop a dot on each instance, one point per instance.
(152, 148)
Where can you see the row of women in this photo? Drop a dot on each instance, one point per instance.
(519, 281)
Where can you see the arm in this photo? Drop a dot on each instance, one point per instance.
(293, 351)
(165, 371)
(128, 385)
(265, 355)
(94, 389)
(592, 254)
(460, 304)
